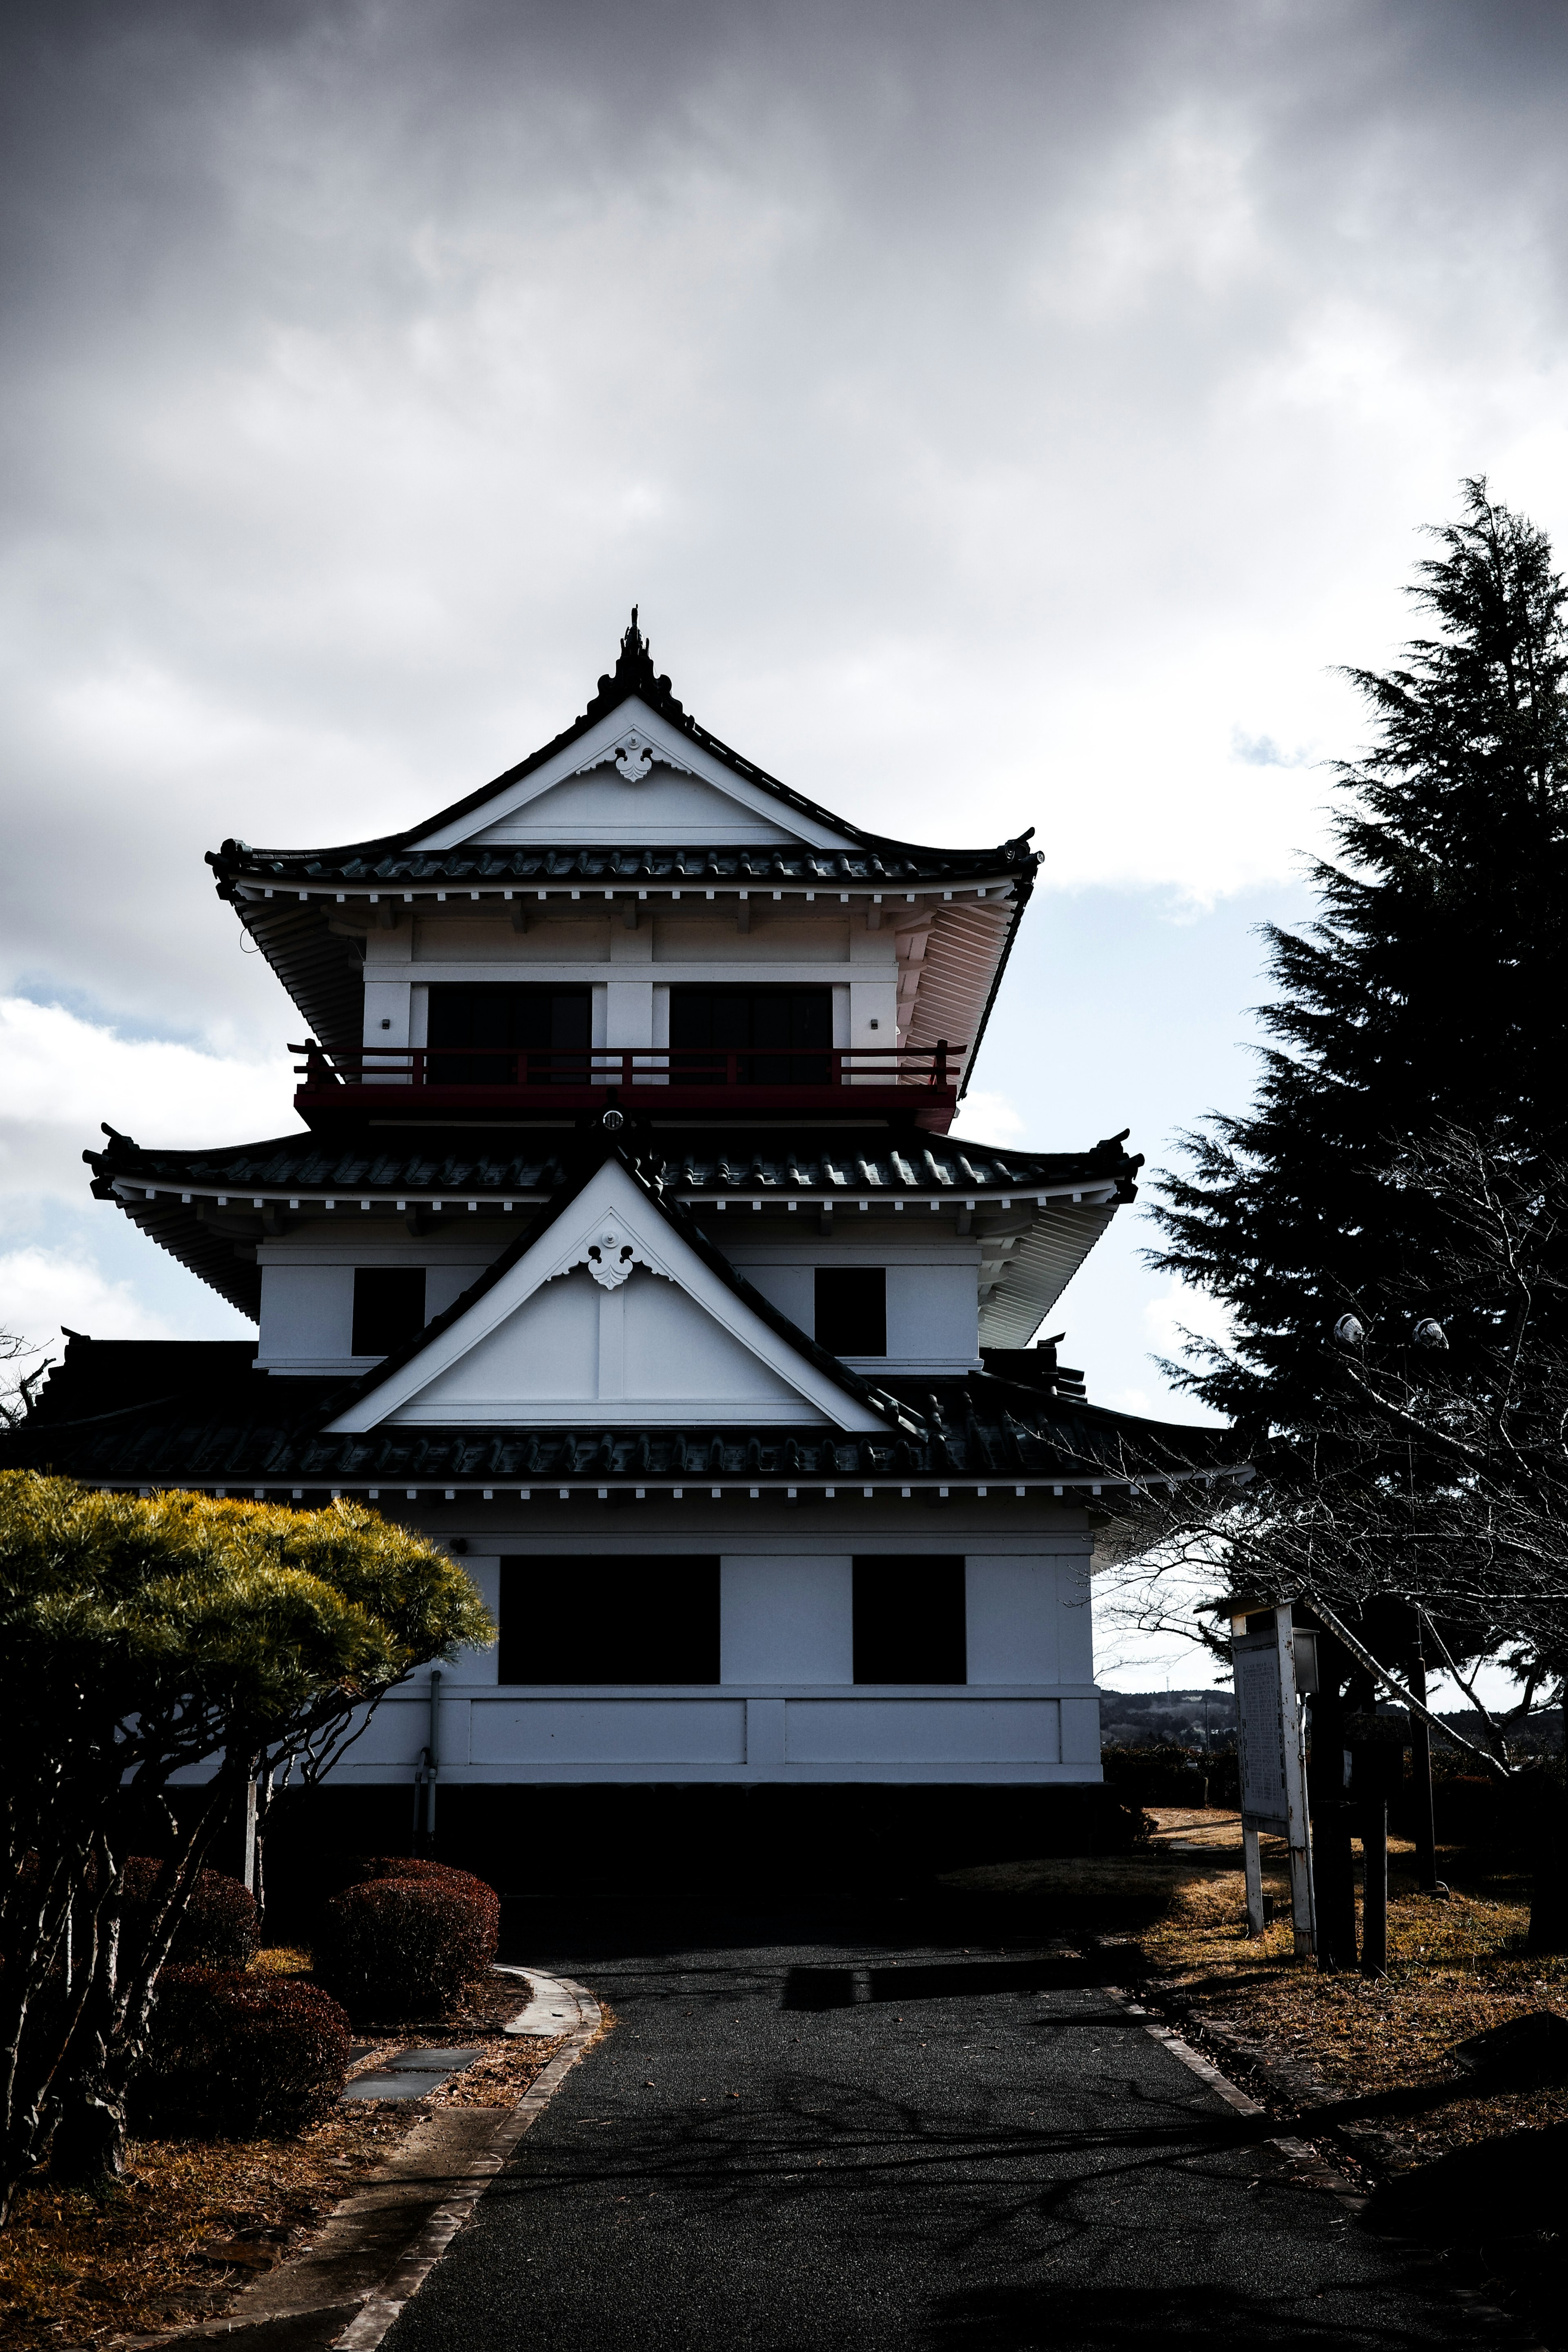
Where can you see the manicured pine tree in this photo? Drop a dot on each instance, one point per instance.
(1431, 993)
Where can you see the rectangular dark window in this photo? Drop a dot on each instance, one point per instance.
(781, 1024)
(910, 1620)
(648, 1619)
(852, 1310)
(389, 1307)
(525, 1036)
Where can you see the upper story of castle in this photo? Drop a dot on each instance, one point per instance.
(637, 918)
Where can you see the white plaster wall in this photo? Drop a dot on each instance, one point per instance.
(791, 1288)
(472, 944)
(933, 1307)
(443, 1283)
(774, 1588)
(711, 939)
(471, 1667)
(1081, 1733)
(307, 1314)
(576, 1731)
(933, 1314)
(629, 1014)
(388, 1001)
(923, 1731)
(783, 1620)
(1076, 1622)
(1013, 1617)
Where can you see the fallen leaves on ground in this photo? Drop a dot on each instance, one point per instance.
(1456, 1968)
(192, 2222)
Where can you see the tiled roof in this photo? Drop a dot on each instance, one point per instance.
(511, 1163)
(223, 1424)
(897, 865)
(322, 971)
(455, 1168)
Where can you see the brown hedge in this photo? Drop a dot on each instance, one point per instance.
(221, 1929)
(233, 2053)
(403, 1936)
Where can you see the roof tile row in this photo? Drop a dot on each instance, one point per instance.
(811, 1164)
(364, 865)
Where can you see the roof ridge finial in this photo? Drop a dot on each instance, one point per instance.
(635, 674)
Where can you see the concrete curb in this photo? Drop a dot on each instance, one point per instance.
(381, 2244)
(1293, 2086)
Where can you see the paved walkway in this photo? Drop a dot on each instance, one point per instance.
(800, 2144)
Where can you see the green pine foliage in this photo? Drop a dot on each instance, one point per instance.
(1431, 995)
(144, 1637)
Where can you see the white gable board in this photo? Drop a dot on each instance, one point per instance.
(632, 778)
(661, 807)
(611, 1311)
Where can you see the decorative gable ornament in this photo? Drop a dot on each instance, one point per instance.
(633, 755)
(610, 1260)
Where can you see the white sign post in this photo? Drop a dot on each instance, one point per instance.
(1271, 1734)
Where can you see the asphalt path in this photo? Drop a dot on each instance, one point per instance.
(794, 2140)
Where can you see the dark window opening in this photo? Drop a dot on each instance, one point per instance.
(650, 1619)
(852, 1309)
(523, 1035)
(709, 1029)
(389, 1307)
(910, 1620)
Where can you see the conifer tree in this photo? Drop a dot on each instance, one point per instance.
(1430, 997)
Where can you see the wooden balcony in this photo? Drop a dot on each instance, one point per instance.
(431, 1081)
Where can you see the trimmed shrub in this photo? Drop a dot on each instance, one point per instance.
(221, 1927)
(1167, 1775)
(232, 2053)
(405, 1937)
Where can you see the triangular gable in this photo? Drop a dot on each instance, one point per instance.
(610, 1315)
(632, 778)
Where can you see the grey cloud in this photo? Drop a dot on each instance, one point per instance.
(946, 383)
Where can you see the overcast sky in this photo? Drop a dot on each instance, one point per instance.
(1003, 415)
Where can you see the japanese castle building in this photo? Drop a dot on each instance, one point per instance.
(628, 1248)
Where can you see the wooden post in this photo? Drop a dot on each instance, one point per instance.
(1298, 1828)
(1426, 1876)
(1374, 1886)
(247, 1846)
(1252, 1860)
(1333, 1869)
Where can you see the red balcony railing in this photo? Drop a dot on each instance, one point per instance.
(426, 1080)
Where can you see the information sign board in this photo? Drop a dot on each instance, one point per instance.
(1260, 1732)
(1271, 1759)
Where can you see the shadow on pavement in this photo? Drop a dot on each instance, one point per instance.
(1501, 2200)
(1083, 2319)
(936, 1980)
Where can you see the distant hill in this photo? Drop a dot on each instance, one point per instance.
(1176, 1719)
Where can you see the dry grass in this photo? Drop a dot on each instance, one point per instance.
(1455, 1968)
(192, 2221)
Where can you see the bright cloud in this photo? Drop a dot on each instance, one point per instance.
(61, 1076)
(992, 1115)
(42, 1291)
